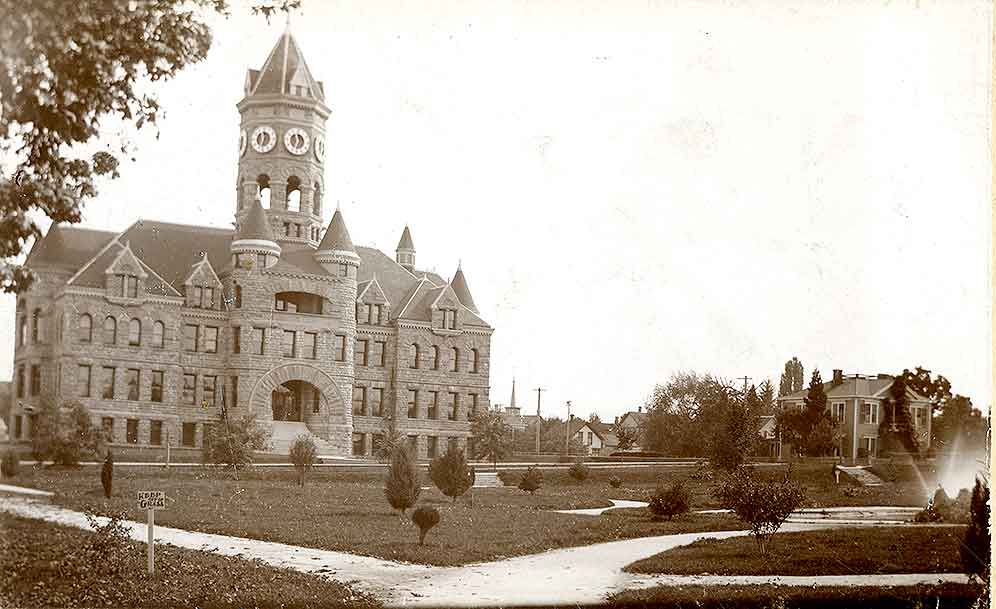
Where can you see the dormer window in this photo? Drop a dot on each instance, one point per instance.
(129, 286)
(449, 319)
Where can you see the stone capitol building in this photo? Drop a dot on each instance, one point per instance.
(160, 328)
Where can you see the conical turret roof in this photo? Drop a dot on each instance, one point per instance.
(284, 70)
(406, 242)
(255, 225)
(336, 238)
(460, 288)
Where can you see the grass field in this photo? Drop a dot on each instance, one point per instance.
(920, 549)
(49, 565)
(947, 596)
(347, 511)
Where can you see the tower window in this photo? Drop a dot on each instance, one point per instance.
(263, 189)
(316, 207)
(293, 194)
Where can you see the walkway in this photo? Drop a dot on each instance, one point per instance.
(584, 575)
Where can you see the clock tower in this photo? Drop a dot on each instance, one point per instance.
(282, 145)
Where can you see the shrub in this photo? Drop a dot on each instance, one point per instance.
(303, 454)
(9, 464)
(65, 433)
(976, 549)
(107, 474)
(531, 480)
(507, 478)
(425, 518)
(579, 471)
(450, 473)
(762, 506)
(668, 502)
(234, 442)
(615, 482)
(402, 486)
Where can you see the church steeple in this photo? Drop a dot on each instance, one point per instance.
(282, 144)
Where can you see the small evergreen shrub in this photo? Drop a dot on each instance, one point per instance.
(668, 502)
(976, 549)
(506, 478)
(303, 454)
(579, 471)
(531, 480)
(9, 464)
(450, 473)
(402, 486)
(615, 482)
(425, 518)
(107, 474)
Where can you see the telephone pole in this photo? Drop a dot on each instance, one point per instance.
(745, 379)
(539, 421)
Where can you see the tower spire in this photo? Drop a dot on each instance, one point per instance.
(512, 403)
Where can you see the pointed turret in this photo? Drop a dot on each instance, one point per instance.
(459, 284)
(284, 73)
(336, 246)
(255, 236)
(405, 252)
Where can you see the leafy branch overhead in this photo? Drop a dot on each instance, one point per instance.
(67, 69)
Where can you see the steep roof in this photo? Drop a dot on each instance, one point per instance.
(255, 225)
(285, 67)
(67, 247)
(462, 291)
(406, 242)
(336, 236)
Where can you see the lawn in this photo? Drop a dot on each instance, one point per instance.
(347, 511)
(50, 565)
(842, 551)
(946, 596)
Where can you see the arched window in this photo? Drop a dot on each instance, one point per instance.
(22, 330)
(293, 194)
(110, 330)
(316, 207)
(85, 328)
(135, 332)
(240, 193)
(263, 189)
(158, 334)
(415, 356)
(456, 359)
(35, 322)
(238, 296)
(475, 361)
(435, 357)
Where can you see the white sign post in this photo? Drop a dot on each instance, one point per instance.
(151, 501)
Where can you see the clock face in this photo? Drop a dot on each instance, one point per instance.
(320, 148)
(264, 138)
(296, 141)
(243, 137)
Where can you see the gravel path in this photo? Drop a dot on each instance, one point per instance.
(584, 575)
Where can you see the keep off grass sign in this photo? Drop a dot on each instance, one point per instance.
(152, 501)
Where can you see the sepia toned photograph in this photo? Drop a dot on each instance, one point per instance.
(383, 304)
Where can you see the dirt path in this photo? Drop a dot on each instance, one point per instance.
(582, 575)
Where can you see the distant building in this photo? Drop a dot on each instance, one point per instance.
(596, 438)
(857, 402)
(633, 420)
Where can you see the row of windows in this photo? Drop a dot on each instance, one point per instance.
(37, 336)
(371, 314)
(211, 386)
(415, 358)
(292, 229)
(110, 331)
(432, 405)
(35, 381)
(292, 194)
(432, 444)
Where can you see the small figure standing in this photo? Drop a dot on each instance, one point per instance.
(107, 474)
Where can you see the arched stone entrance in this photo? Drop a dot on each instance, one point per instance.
(300, 393)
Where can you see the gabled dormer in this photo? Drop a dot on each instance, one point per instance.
(372, 306)
(202, 288)
(445, 310)
(125, 276)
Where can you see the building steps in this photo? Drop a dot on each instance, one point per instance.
(487, 480)
(862, 476)
(284, 434)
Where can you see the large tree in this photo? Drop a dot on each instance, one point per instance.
(492, 436)
(792, 378)
(733, 430)
(960, 427)
(766, 392)
(936, 389)
(679, 412)
(67, 70)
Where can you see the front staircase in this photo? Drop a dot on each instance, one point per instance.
(486, 480)
(284, 434)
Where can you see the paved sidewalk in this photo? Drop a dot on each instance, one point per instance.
(584, 575)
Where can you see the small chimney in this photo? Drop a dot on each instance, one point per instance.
(639, 409)
(617, 420)
(838, 377)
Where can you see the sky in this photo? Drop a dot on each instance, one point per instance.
(635, 188)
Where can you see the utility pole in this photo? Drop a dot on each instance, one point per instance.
(567, 433)
(745, 379)
(539, 421)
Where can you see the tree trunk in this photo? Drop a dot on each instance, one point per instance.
(300, 478)
(421, 537)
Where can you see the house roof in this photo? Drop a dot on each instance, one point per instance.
(639, 417)
(406, 242)
(855, 385)
(67, 247)
(283, 67)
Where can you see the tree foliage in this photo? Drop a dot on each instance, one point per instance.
(402, 485)
(896, 427)
(961, 427)
(235, 442)
(628, 437)
(425, 518)
(451, 474)
(766, 393)
(792, 378)
(734, 430)
(579, 471)
(811, 430)
(65, 433)
(936, 389)
(680, 413)
(303, 454)
(670, 501)
(532, 480)
(977, 547)
(762, 506)
(492, 436)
